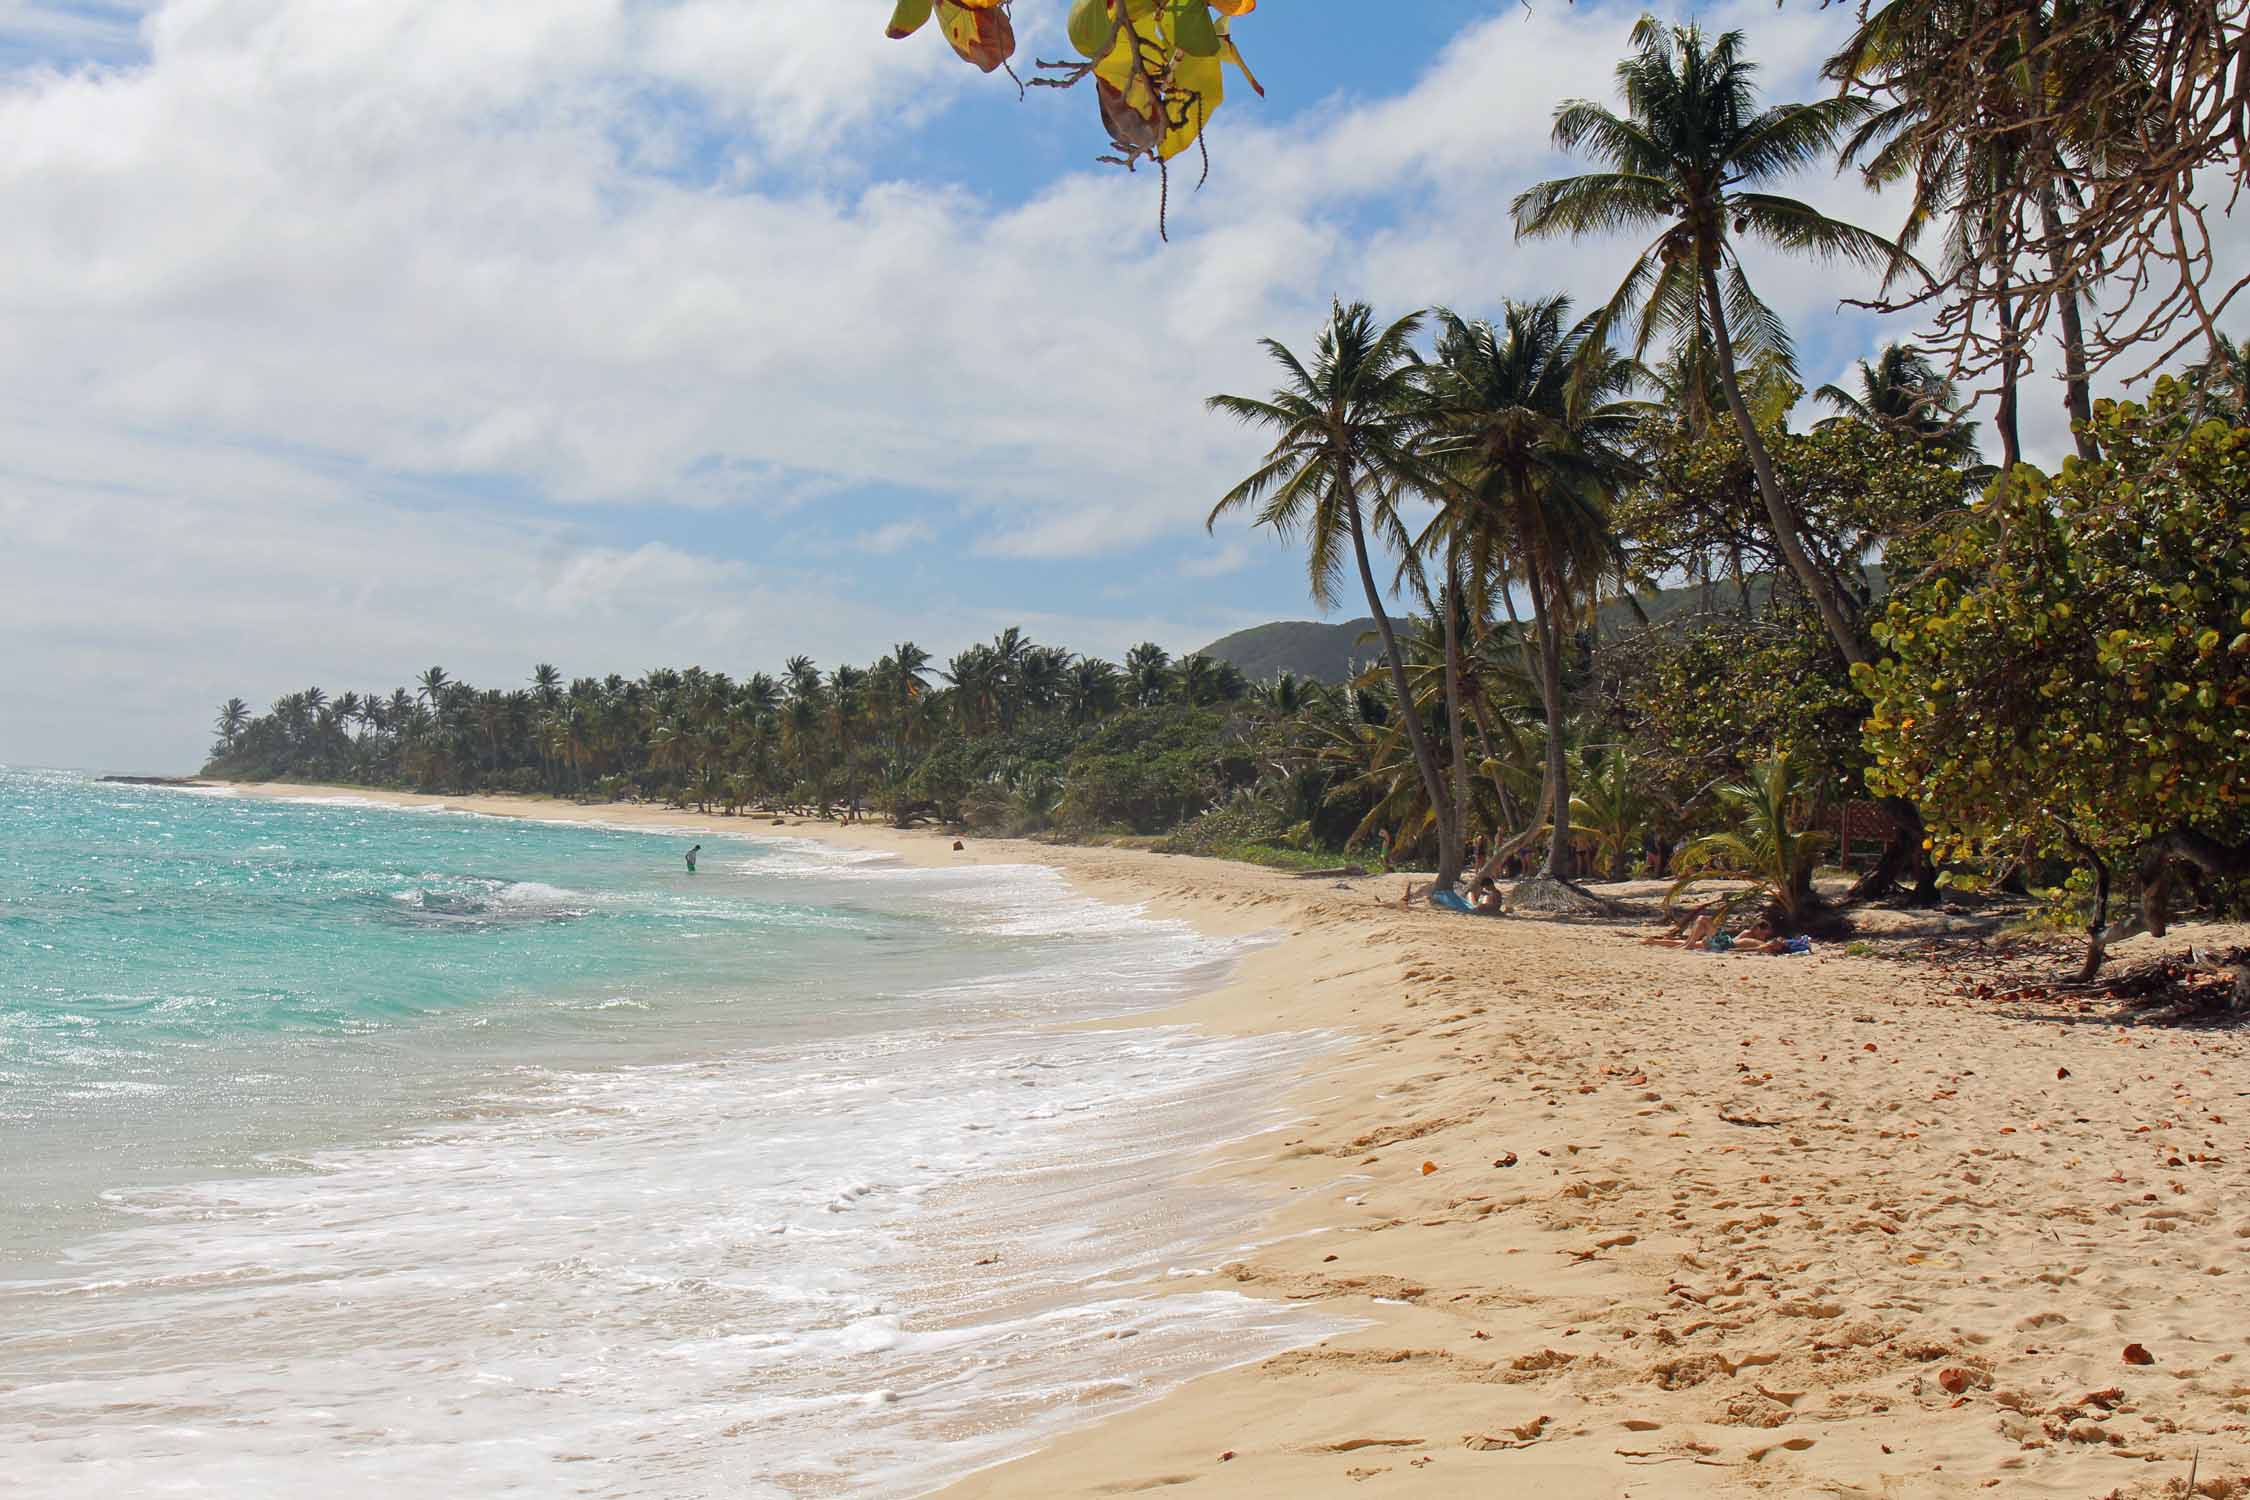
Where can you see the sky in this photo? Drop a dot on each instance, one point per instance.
(337, 341)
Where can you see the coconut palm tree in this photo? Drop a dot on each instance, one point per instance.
(1346, 449)
(1528, 426)
(1765, 847)
(234, 717)
(910, 666)
(1148, 673)
(1902, 393)
(2223, 376)
(1690, 156)
(2011, 175)
(847, 699)
(1094, 690)
(1610, 803)
(434, 682)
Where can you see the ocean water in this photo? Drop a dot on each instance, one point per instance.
(433, 1154)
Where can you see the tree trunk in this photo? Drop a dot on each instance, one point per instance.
(2011, 363)
(1546, 604)
(1454, 732)
(2077, 389)
(1902, 856)
(1499, 784)
(1785, 532)
(1425, 758)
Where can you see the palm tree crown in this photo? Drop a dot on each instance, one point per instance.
(1901, 392)
(1346, 448)
(1690, 157)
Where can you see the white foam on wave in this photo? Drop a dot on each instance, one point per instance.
(719, 1276)
(867, 1262)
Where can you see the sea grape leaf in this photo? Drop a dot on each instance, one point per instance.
(978, 30)
(907, 18)
(1198, 84)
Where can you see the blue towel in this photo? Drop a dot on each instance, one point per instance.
(1450, 900)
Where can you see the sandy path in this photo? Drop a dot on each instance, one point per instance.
(1697, 1224)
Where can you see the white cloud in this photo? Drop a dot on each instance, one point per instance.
(896, 536)
(271, 289)
(1232, 557)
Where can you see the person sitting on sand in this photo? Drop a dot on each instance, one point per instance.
(691, 854)
(1489, 900)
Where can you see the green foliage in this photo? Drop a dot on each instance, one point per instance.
(1151, 770)
(2073, 669)
(1609, 803)
(1699, 704)
(1766, 846)
(1855, 486)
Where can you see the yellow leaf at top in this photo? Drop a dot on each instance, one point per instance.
(978, 30)
(1234, 7)
(1118, 69)
(1198, 84)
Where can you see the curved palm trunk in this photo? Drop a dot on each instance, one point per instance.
(1905, 851)
(2077, 390)
(1484, 746)
(1454, 731)
(1785, 531)
(1425, 758)
(1546, 606)
(2004, 416)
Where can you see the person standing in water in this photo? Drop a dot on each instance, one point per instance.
(691, 854)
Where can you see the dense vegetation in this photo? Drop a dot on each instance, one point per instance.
(2043, 678)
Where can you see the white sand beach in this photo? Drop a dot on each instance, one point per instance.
(1629, 1221)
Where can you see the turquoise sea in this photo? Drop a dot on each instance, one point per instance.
(438, 1154)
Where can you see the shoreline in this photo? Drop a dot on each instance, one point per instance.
(1622, 1221)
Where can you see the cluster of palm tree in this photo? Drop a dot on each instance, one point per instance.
(1509, 474)
(1488, 459)
(800, 737)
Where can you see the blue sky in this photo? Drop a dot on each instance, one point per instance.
(630, 332)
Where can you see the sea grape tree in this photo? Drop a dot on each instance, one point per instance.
(2068, 679)
(1158, 66)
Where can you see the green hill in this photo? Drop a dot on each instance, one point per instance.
(1329, 653)
(1305, 648)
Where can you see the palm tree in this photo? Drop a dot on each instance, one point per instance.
(846, 696)
(1902, 393)
(234, 717)
(434, 684)
(1525, 420)
(2012, 166)
(1611, 805)
(1689, 156)
(802, 677)
(2223, 378)
(1765, 847)
(1147, 670)
(1043, 677)
(910, 664)
(1199, 679)
(1346, 449)
(547, 683)
(1093, 691)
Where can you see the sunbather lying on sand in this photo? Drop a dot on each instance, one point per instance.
(1762, 937)
(1699, 930)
